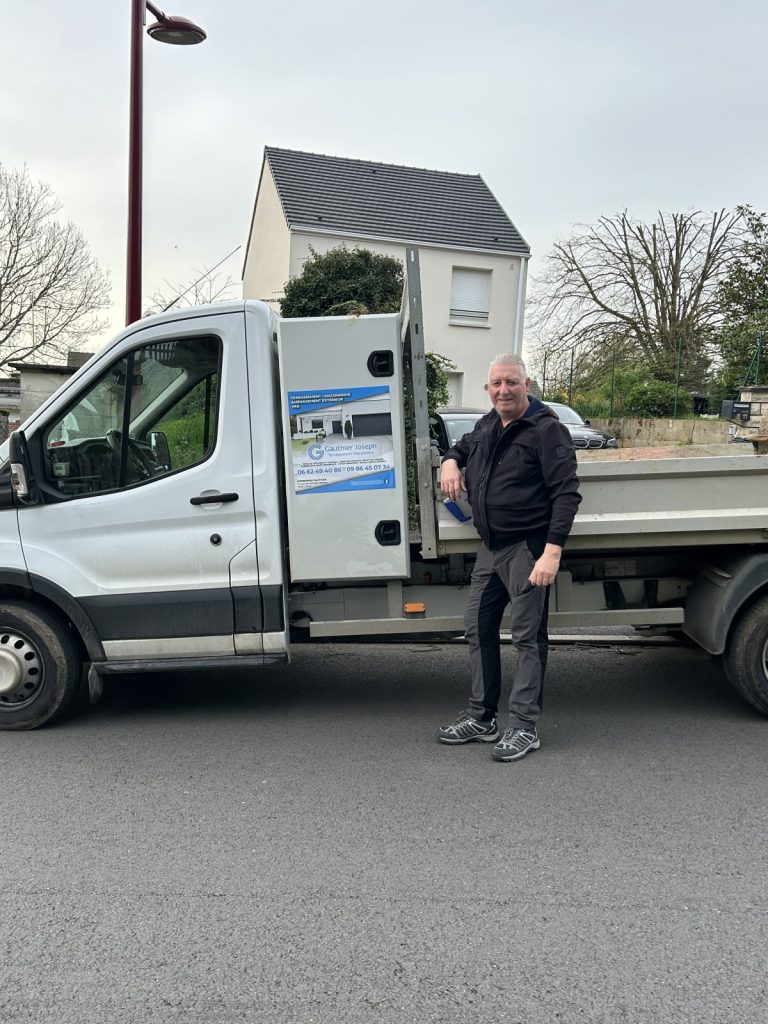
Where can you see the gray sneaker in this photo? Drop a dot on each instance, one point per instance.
(516, 743)
(466, 728)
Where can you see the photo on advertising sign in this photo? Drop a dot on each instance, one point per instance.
(341, 439)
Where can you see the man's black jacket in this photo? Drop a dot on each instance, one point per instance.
(521, 481)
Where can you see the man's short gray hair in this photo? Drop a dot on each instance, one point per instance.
(508, 359)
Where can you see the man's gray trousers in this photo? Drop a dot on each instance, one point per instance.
(500, 578)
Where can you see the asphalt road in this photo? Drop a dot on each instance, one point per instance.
(294, 846)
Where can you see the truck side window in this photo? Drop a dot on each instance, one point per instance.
(152, 412)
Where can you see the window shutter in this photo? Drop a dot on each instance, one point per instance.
(470, 294)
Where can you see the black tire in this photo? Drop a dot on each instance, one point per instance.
(746, 657)
(40, 666)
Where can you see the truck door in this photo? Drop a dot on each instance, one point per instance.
(147, 510)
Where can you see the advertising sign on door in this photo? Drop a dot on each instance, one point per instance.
(341, 439)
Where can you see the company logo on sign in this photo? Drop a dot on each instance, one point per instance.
(315, 451)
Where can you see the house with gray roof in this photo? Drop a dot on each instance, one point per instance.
(473, 259)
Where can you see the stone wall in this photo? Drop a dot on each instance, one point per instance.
(653, 433)
(757, 421)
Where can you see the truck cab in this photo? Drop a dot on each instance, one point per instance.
(140, 539)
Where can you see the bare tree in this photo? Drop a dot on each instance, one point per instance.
(51, 286)
(206, 286)
(645, 290)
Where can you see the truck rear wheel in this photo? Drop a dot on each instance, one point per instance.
(746, 657)
(39, 666)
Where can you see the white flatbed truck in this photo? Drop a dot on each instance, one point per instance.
(216, 485)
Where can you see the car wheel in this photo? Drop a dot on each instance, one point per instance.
(40, 666)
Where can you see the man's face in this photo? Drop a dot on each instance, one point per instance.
(508, 389)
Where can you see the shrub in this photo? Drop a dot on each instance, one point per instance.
(651, 398)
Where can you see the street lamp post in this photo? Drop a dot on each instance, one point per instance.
(167, 29)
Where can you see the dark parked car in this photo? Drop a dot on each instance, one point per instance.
(459, 422)
(454, 423)
(582, 434)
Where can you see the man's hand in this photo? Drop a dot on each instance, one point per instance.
(545, 569)
(451, 481)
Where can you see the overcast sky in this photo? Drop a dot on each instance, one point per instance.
(567, 109)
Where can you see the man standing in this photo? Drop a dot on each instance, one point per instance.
(520, 477)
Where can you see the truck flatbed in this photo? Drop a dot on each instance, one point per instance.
(636, 500)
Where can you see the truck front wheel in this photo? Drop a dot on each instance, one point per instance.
(40, 666)
(746, 657)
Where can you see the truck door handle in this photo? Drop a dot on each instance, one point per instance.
(213, 499)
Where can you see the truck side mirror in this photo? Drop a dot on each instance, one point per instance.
(161, 453)
(22, 479)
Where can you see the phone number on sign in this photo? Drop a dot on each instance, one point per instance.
(333, 470)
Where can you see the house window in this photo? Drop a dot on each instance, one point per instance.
(455, 387)
(470, 296)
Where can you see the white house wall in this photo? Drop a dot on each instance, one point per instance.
(37, 386)
(471, 348)
(268, 257)
(301, 242)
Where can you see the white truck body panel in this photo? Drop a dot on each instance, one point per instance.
(343, 482)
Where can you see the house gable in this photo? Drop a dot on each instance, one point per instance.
(315, 203)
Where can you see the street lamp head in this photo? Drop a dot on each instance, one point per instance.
(179, 31)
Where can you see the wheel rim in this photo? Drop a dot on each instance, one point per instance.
(765, 659)
(21, 671)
